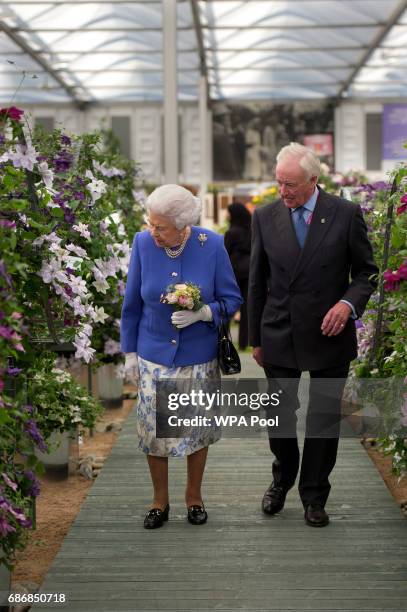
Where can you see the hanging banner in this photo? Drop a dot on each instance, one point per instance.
(394, 132)
(320, 144)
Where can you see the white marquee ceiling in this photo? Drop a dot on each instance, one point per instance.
(112, 51)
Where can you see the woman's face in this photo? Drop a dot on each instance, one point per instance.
(163, 231)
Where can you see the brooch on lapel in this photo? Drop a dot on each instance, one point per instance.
(202, 239)
(323, 220)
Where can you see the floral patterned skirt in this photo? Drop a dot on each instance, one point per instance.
(200, 437)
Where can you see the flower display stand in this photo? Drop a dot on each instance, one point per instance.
(62, 461)
(5, 585)
(110, 388)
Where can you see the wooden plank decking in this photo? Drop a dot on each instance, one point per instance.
(241, 559)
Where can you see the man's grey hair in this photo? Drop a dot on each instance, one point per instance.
(176, 203)
(308, 161)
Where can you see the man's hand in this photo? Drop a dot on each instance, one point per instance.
(335, 319)
(258, 355)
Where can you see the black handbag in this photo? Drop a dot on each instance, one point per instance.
(228, 357)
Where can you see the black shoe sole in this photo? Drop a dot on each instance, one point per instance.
(310, 524)
(194, 522)
(272, 512)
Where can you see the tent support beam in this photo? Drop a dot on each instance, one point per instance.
(393, 19)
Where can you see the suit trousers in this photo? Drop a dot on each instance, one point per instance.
(321, 434)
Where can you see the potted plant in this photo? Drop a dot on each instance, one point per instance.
(60, 406)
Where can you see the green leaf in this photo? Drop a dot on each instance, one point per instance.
(57, 212)
(43, 228)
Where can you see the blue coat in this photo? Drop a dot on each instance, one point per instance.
(146, 326)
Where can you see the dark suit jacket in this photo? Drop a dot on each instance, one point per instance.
(290, 291)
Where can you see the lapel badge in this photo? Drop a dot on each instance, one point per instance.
(202, 239)
(323, 220)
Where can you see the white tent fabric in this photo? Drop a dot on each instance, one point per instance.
(112, 51)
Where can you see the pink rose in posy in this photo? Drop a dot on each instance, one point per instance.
(12, 112)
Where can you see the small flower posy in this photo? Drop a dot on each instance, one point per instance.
(183, 296)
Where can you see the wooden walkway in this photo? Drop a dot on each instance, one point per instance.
(241, 559)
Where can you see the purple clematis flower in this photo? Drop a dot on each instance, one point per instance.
(65, 140)
(31, 428)
(5, 527)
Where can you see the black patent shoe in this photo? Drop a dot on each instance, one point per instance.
(155, 517)
(273, 499)
(315, 516)
(197, 515)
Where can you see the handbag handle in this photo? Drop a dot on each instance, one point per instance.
(223, 327)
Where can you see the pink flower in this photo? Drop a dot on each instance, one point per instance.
(9, 482)
(12, 112)
(392, 280)
(5, 526)
(8, 224)
(401, 209)
(402, 271)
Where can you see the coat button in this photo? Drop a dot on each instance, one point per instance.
(174, 274)
(173, 341)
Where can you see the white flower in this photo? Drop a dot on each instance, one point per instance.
(39, 241)
(78, 286)
(101, 286)
(24, 157)
(78, 308)
(109, 172)
(111, 347)
(78, 250)
(82, 229)
(100, 315)
(83, 348)
(46, 173)
(96, 188)
(62, 277)
(48, 270)
(5, 157)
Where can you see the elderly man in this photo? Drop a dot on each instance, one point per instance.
(312, 273)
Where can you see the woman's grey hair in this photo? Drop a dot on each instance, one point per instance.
(308, 161)
(176, 203)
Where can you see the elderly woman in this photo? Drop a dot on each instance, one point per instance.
(161, 343)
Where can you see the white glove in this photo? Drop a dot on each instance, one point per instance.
(183, 318)
(131, 367)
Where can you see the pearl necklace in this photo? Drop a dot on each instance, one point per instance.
(175, 253)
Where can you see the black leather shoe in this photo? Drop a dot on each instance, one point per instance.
(156, 517)
(315, 516)
(197, 515)
(273, 499)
